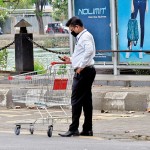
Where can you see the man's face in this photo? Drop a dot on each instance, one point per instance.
(74, 28)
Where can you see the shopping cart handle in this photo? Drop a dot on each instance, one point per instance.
(55, 63)
(10, 77)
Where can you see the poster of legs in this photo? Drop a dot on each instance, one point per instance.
(133, 29)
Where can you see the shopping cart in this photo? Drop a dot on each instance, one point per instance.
(44, 89)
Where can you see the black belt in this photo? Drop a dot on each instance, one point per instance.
(91, 66)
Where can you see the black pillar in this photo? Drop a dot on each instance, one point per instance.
(24, 61)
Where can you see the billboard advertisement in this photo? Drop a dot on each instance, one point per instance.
(134, 11)
(95, 15)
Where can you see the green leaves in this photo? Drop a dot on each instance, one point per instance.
(140, 71)
(62, 70)
(60, 8)
(3, 58)
(39, 67)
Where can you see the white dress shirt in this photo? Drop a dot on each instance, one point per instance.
(84, 50)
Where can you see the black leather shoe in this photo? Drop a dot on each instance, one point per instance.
(70, 133)
(86, 133)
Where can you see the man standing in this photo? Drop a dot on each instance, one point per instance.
(83, 64)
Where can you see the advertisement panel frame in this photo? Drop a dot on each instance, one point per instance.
(131, 56)
(114, 62)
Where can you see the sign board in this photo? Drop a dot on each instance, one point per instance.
(95, 15)
(142, 15)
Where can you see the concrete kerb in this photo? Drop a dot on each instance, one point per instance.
(121, 100)
(105, 97)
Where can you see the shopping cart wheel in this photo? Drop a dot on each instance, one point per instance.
(49, 131)
(31, 129)
(17, 129)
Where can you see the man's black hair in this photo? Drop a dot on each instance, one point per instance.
(74, 21)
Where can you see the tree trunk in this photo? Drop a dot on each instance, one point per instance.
(41, 25)
(39, 17)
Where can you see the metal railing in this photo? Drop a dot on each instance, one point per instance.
(54, 57)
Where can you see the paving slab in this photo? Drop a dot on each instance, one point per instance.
(109, 125)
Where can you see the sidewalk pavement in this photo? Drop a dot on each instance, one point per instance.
(108, 125)
(130, 122)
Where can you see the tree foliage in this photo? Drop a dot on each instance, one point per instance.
(3, 16)
(3, 13)
(23, 4)
(60, 8)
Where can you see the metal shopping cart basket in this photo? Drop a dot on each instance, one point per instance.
(44, 89)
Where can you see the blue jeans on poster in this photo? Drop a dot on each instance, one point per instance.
(140, 5)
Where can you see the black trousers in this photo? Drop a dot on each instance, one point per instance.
(82, 98)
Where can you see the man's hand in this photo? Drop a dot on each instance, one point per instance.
(66, 59)
(79, 70)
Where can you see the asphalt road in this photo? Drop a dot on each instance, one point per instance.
(9, 141)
